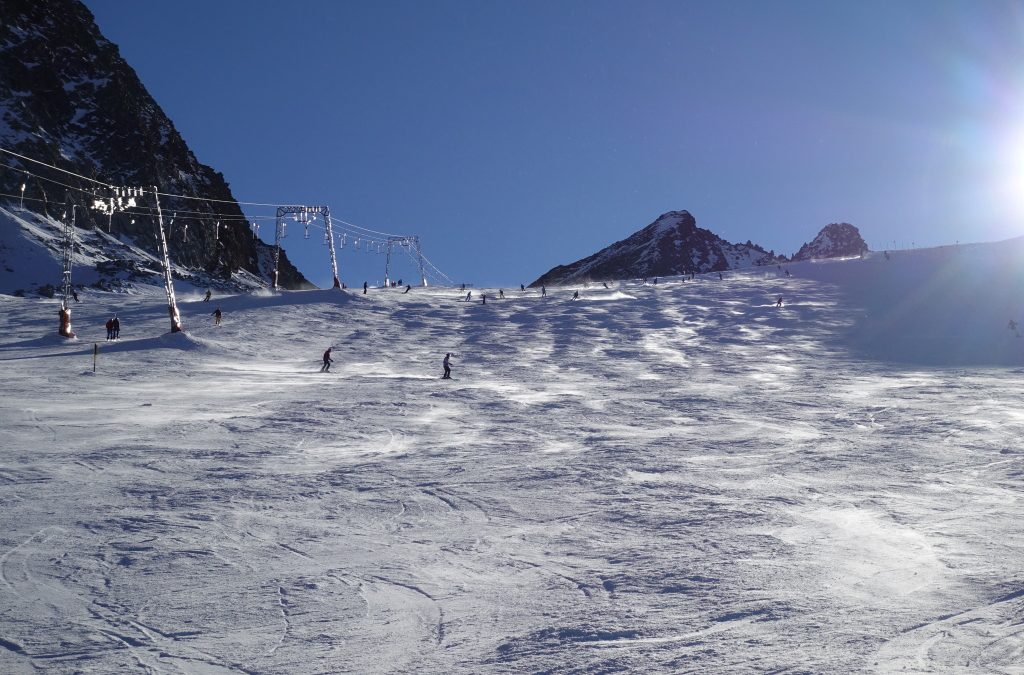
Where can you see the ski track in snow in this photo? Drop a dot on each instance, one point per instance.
(680, 478)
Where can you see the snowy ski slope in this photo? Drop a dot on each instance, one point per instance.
(672, 478)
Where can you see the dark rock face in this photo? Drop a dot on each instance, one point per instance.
(671, 245)
(67, 98)
(838, 240)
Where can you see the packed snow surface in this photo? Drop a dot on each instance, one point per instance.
(681, 477)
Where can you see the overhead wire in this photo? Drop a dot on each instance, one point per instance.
(346, 228)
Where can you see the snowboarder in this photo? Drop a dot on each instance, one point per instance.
(116, 328)
(575, 295)
(365, 286)
(206, 298)
(408, 287)
(778, 303)
(327, 361)
(110, 329)
(216, 316)
(447, 368)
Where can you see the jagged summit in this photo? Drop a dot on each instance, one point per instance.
(672, 244)
(837, 240)
(68, 98)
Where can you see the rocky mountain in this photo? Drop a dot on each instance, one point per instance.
(838, 240)
(68, 99)
(671, 245)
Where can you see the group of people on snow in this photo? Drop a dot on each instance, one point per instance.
(113, 328)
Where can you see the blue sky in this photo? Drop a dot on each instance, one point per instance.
(515, 136)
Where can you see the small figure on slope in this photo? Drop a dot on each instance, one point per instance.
(778, 303)
(408, 287)
(327, 361)
(447, 367)
(216, 316)
(543, 292)
(501, 293)
(116, 327)
(206, 298)
(469, 295)
(365, 286)
(575, 295)
(74, 294)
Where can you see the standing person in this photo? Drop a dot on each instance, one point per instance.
(468, 295)
(447, 367)
(522, 287)
(216, 316)
(483, 297)
(116, 327)
(365, 286)
(778, 303)
(463, 286)
(501, 293)
(110, 329)
(206, 298)
(543, 292)
(327, 361)
(720, 276)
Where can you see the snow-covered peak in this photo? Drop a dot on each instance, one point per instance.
(671, 245)
(838, 240)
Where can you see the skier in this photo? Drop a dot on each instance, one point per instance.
(110, 329)
(206, 298)
(655, 281)
(468, 295)
(116, 328)
(447, 368)
(778, 303)
(605, 284)
(408, 287)
(327, 361)
(501, 294)
(522, 288)
(74, 294)
(719, 276)
(483, 297)
(216, 316)
(543, 292)
(575, 295)
(365, 286)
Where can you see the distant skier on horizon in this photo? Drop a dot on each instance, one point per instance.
(778, 303)
(522, 287)
(365, 286)
(543, 292)
(216, 316)
(447, 367)
(326, 368)
(469, 296)
(408, 287)
(501, 293)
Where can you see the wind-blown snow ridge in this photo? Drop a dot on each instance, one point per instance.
(681, 477)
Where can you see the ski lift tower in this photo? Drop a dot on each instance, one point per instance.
(412, 241)
(68, 251)
(305, 213)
